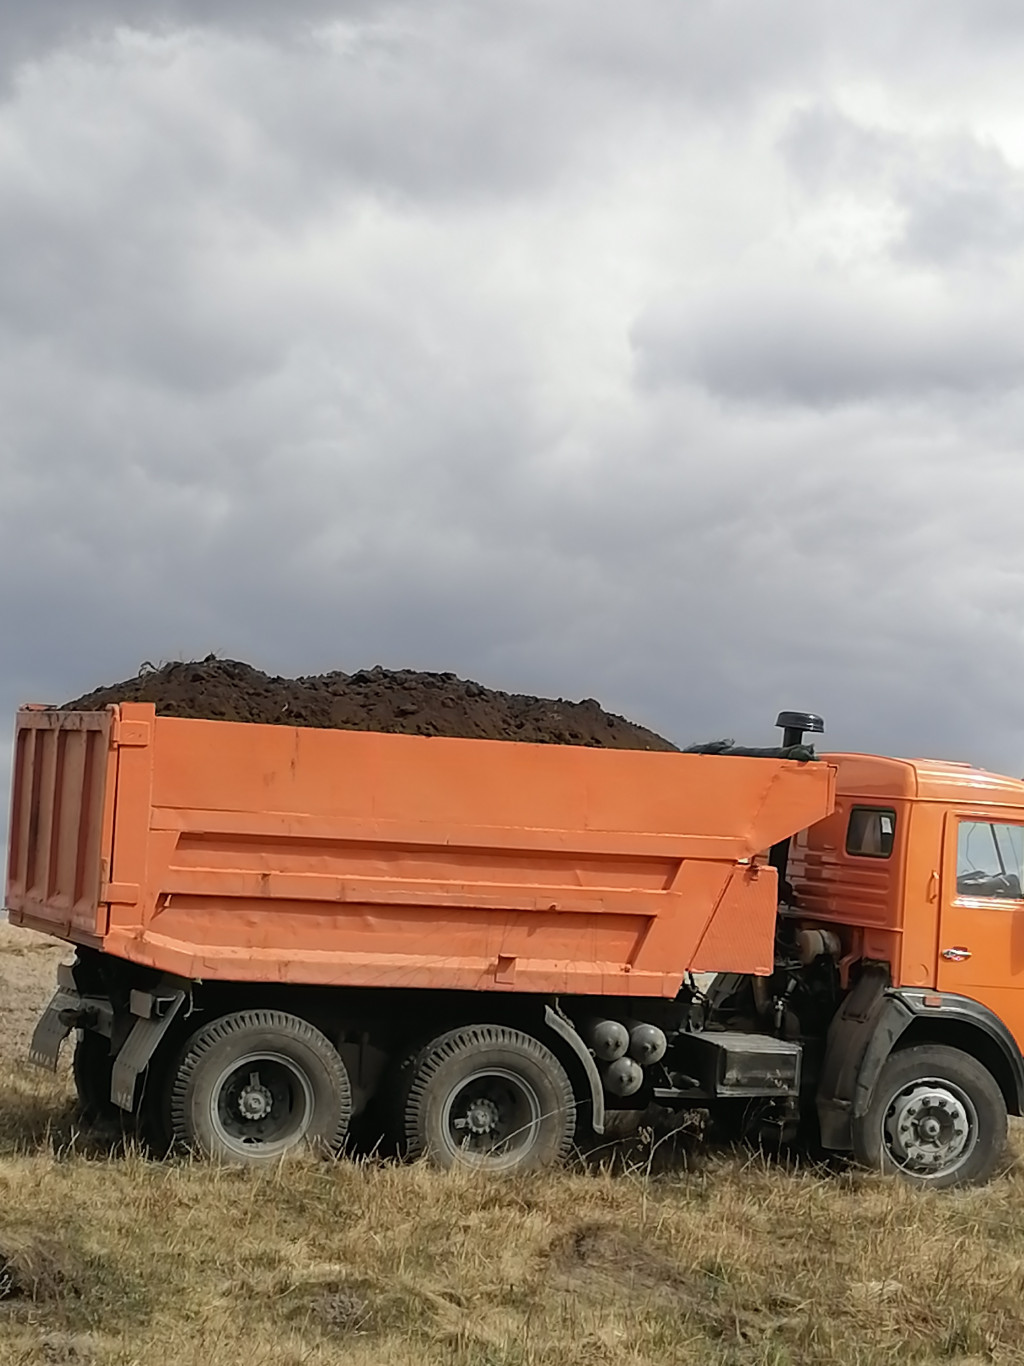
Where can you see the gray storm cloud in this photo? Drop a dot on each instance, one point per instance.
(663, 355)
(822, 345)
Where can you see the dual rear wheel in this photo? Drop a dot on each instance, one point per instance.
(490, 1098)
(92, 1068)
(258, 1085)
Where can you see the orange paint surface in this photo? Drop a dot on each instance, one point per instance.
(905, 910)
(218, 850)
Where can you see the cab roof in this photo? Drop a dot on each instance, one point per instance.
(937, 780)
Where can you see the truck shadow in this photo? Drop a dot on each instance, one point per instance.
(40, 1113)
(655, 1142)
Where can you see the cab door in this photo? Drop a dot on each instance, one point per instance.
(981, 925)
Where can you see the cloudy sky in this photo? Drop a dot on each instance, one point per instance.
(666, 352)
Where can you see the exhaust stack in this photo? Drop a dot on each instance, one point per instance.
(794, 725)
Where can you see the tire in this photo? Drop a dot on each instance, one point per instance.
(154, 1105)
(489, 1098)
(254, 1087)
(92, 1068)
(937, 1118)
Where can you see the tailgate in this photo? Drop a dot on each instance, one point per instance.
(61, 820)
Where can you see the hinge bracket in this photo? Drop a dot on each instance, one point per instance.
(120, 893)
(130, 735)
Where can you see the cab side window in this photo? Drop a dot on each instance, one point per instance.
(990, 860)
(871, 831)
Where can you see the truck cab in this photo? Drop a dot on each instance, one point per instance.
(918, 873)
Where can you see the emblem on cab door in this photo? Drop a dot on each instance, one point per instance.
(956, 955)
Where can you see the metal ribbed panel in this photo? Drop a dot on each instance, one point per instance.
(57, 816)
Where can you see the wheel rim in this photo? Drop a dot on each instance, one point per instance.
(930, 1128)
(262, 1103)
(491, 1119)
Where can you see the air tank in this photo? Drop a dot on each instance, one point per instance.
(623, 1077)
(608, 1038)
(647, 1043)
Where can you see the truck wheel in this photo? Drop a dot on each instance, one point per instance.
(92, 1068)
(937, 1118)
(490, 1098)
(254, 1086)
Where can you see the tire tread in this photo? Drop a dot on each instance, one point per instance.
(421, 1068)
(869, 1150)
(216, 1032)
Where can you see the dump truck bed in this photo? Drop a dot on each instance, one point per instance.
(218, 850)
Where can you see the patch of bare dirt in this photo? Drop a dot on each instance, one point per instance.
(604, 1259)
(36, 1268)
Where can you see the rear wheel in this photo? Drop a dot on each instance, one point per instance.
(92, 1068)
(490, 1098)
(937, 1118)
(253, 1087)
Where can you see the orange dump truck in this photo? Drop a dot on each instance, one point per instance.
(482, 950)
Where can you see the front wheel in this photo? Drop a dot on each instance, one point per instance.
(491, 1098)
(253, 1087)
(937, 1118)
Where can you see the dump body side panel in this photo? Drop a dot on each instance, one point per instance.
(246, 852)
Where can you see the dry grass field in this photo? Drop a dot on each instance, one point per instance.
(109, 1259)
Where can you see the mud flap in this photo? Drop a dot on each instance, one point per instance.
(140, 1045)
(56, 1024)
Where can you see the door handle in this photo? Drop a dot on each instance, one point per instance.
(957, 954)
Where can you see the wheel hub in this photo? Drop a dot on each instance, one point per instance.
(491, 1116)
(482, 1116)
(254, 1100)
(928, 1128)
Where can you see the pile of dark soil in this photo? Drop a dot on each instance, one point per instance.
(397, 700)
